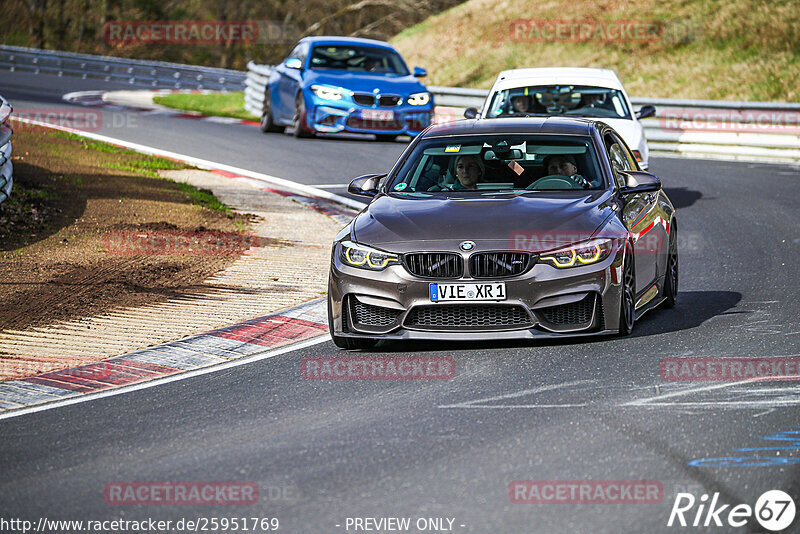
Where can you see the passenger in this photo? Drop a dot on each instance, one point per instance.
(469, 171)
(520, 104)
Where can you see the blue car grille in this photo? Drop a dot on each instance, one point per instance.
(364, 99)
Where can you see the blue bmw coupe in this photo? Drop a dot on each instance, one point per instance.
(345, 84)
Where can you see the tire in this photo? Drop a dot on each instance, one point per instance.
(267, 124)
(671, 276)
(385, 138)
(299, 118)
(349, 343)
(627, 301)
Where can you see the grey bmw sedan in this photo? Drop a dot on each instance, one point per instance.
(504, 229)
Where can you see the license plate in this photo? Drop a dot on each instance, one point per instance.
(377, 114)
(468, 292)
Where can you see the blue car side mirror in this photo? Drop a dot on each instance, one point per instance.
(293, 63)
(419, 72)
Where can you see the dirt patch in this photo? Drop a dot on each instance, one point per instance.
(72, 196)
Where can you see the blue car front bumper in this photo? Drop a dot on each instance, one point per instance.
(332, 117)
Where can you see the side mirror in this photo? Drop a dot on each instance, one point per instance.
(471, 113)
(419, 72)
(646, 111)
(293, 63)
(365, 186)
(639, 182)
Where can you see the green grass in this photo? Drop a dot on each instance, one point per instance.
(230, 104)
(714, 49)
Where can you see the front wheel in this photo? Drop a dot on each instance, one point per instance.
(299, 118)
(267, 123)
(627, 312)
(671, 278)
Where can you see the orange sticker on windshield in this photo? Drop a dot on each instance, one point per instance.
(516, 167)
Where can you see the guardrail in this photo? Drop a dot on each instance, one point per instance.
(158, 74)
(255, 86)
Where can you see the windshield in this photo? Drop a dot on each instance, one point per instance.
(358, 59)
(571, 100)
(499, 163)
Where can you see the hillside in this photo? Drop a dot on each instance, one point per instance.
(709, 49)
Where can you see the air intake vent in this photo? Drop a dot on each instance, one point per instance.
(434, 264)
(499, 264)
(574, 314)
(369, 315)
(468, 317)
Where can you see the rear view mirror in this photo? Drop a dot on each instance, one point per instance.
(419, 72)
(365, 186)
(646, 111)
(639, 182)
(471, 113)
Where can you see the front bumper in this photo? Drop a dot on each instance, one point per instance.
(331, 117)
(544, 302)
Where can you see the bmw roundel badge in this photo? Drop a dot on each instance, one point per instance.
(467, 246)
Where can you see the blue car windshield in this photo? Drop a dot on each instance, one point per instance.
(358, 59)
(499, 164)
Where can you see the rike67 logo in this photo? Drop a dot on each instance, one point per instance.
(774, 511)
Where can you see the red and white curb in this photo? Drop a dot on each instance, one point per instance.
(238, 343)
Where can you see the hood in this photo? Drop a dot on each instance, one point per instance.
(365, 83)
(525, 222)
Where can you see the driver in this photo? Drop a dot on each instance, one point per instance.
(565, 165)
(520, 104)
(469, 171)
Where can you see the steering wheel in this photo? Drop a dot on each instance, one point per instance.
(554, 181)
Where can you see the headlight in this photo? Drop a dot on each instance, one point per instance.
(327, 93)
(580, 254)
(419, 99)
(364, 257)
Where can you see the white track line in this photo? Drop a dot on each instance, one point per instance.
(167, 379)
(266, 179)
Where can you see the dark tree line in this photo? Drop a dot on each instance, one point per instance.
(77, 25)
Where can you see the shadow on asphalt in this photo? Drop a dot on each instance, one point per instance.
(682, 197)
(693, 309)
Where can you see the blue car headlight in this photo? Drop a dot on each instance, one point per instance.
(327, 92)
(419, 99)
(364, 257)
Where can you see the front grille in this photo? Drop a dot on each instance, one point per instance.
(468, 316)
(575, 313)
(364, 99)
(434, 264)
(369, 315)
(499, 264)
(388, 101)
